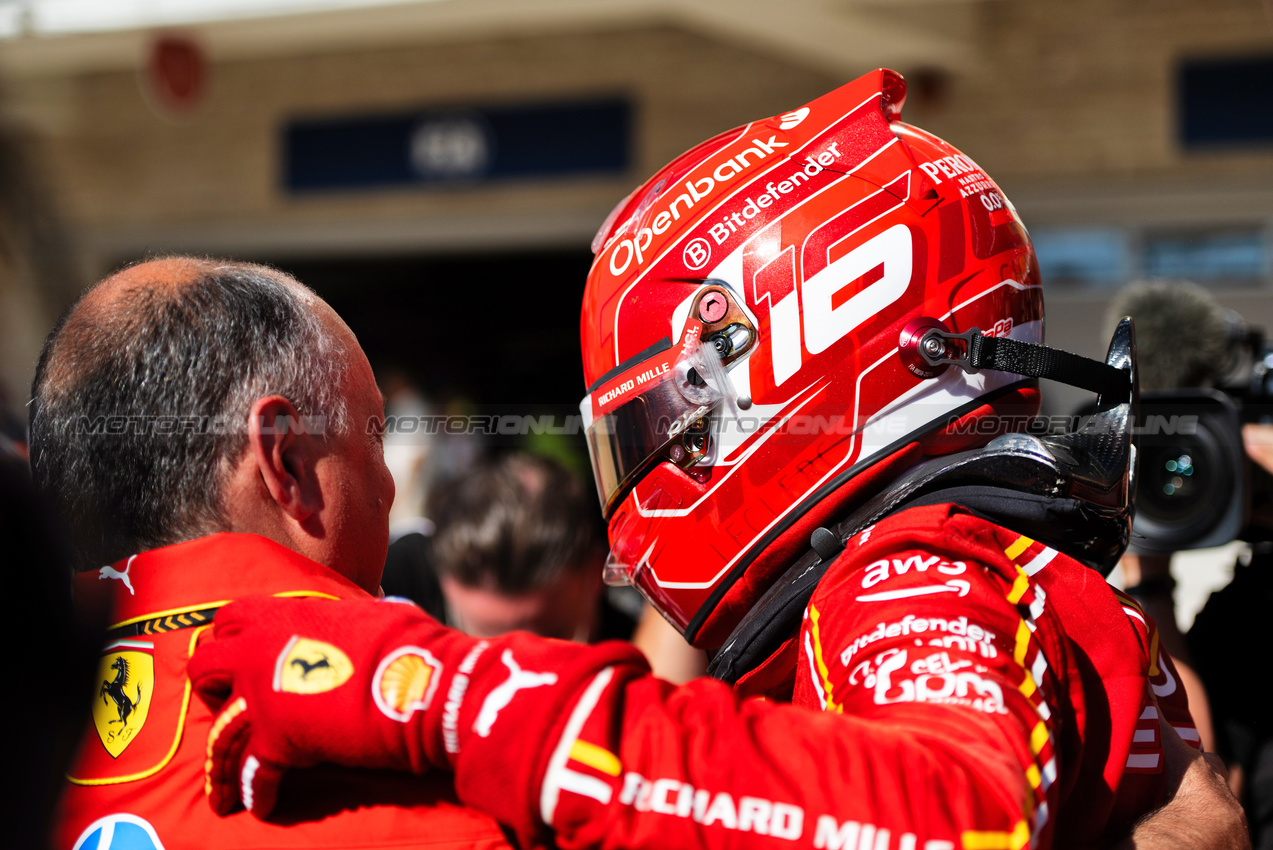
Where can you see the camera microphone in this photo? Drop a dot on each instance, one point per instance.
(1192, 479)
(1184, 339)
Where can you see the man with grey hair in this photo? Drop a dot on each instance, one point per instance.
(210, 430)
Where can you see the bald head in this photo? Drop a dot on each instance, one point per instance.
(143, 389)
(111, 311)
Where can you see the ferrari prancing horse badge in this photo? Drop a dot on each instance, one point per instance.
(127, 677)
(308, 666)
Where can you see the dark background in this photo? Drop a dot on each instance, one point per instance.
(495, 329)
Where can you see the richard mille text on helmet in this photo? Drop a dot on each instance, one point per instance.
(786, 334)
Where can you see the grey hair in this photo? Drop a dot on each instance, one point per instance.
(138, 412)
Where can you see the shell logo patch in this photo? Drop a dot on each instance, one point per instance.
(308, 666)
(405, 681)
(127, 677)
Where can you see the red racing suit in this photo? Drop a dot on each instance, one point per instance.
(972, 688)
(137, 780)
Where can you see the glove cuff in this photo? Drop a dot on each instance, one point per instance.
(507, 706)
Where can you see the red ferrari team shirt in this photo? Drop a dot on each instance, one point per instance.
(1035, 655)
(971, 689)
(137, 779)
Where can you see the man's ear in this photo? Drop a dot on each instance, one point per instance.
(285, 454)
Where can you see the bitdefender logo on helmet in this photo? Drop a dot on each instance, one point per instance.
(696, 254)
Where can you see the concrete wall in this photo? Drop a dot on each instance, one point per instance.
(128, 179)
(1082, 89)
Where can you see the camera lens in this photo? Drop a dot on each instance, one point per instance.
(1187, 482)
(1175, 482)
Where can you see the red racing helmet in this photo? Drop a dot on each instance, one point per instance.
(749, 335)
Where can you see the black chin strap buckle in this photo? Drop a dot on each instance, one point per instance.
(943, 348)
(972, 351)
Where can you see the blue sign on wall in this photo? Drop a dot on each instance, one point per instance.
(1226, 102)
(449, 146)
